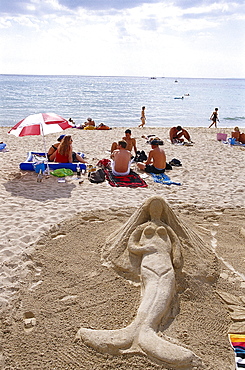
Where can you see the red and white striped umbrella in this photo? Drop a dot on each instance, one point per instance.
(40, 124)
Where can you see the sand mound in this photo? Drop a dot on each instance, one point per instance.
(68, 287)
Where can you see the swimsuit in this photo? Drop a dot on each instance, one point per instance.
(115, 173)
(151, 169)
(61, 158)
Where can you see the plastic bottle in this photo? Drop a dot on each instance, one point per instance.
(78, 171)
(40, 176)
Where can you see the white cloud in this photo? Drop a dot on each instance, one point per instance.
(151, 39)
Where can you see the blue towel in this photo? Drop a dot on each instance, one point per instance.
(162, 178)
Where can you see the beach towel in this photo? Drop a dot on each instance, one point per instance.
(162, 178)
(237, 342)
(132, 180)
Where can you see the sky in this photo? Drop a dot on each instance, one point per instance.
(170, 38)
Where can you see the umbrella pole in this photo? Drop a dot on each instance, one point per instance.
(45, 150)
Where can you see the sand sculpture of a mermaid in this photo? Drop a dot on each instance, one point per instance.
(150, 247)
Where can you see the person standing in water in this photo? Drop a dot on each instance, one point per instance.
(214, 118)
(143, 118)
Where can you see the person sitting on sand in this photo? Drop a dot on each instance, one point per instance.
(64, 153)
(53, 149)
(240, 137)
(131, 142)
(121, 159)
(156, 161)
(176, 134)
(89, 124)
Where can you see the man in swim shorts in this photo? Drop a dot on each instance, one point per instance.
(121, 159)
(156, 161)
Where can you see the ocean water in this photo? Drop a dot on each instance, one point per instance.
(117, 101)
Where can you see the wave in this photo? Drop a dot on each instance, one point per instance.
(234, 118)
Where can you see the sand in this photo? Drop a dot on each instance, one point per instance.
(52, 278)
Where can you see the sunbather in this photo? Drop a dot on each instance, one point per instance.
(176, 135)
(131, 142)
(53, 149)
(64, 153)
(121, 159)
(238, 135)
(156, 161)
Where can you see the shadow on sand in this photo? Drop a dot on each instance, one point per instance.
(26, 186)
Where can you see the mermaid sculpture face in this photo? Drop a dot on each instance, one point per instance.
(155, 210)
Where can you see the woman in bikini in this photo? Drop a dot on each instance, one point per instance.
(142, 117)
(214, 118)
(53, 149)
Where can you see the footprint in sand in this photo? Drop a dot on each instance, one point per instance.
(29, 321)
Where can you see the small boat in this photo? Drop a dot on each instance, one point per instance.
(153, 78)
(33, 158)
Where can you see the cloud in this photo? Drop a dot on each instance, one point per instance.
(122, 37)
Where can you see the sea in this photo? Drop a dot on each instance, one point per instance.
(117, 101)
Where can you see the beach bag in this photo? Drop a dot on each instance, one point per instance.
(97, 177)
(140, 156)
(62, 172)
(175, 162)
(221, 136)
(104, 163)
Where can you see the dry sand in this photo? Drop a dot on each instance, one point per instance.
(52, 279)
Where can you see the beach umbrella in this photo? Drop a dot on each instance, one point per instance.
(40, 124)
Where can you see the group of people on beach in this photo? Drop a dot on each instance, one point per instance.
(121, 152)
(214, 117)
(89, 125)
(122, 157)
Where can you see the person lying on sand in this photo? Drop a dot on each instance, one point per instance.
(156, 161)
(176, 135)
(102, 126)
(131, 142)
(64, 153)
(149, 138)
(121, 159)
